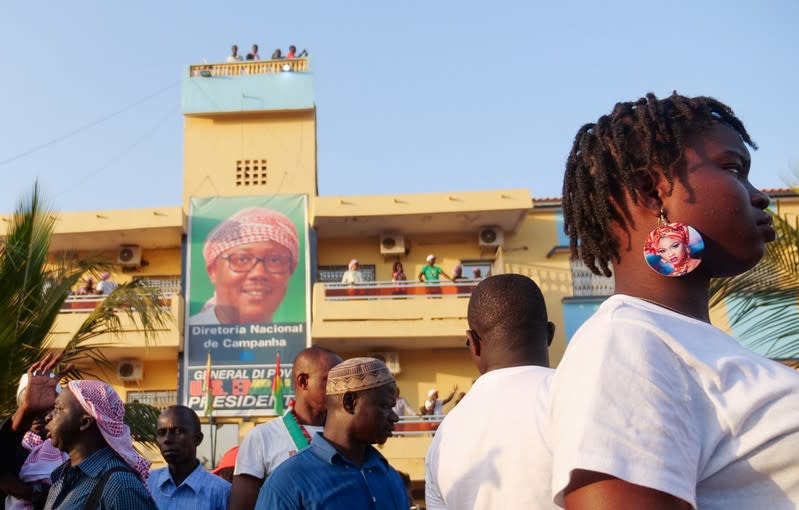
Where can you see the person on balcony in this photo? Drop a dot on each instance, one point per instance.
(434, 406)
(234, 55)
(250, 258)
(341, 469)
(352, 276)
(277, 54)
(402, 407)
(270, 444)
(457, 273)
(293, 52)
(106, 285)
(475, 458)
(253, 54)
(88, 287)
(398, 273)
(431, 272)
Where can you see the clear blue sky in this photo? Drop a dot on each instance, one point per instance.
(412, 96)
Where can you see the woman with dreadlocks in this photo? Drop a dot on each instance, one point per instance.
(652, 406)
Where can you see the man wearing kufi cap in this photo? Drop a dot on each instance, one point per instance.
(270, 444)
(250, 258)
(341, 469)
(87, 424)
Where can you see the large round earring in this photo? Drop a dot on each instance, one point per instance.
(673, 249)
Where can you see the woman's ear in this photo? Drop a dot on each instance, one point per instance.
(652, 188)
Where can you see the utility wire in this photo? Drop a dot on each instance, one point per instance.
(121, 153)
(85, 127)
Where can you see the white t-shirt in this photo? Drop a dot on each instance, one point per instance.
(352, 277)
(668, 402)
(266, 447)
(492, 450)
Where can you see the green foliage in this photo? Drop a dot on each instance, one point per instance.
(33, 287)
(758, 299)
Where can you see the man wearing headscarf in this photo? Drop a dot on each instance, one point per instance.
(341, 469)
(250, 258)
(87, 424)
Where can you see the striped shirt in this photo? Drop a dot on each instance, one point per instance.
(72, 485)
(199, 491)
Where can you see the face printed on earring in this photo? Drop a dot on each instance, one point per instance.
(673, 249)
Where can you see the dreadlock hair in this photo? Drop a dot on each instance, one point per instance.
(606, 156)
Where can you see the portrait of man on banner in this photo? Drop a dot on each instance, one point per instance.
(247, 301)
(249, 258)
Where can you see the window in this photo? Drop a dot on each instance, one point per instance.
(168, 285)
(333, 274)
(475, 269)
(251, 172)
(156, 398)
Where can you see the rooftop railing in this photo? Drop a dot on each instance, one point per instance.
(399, 290)
(250, 67)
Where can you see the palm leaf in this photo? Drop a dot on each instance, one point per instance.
(33, 287)
(761, 303)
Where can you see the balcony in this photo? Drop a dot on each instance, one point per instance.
(132, 343)
(252, 86)
(249, 67)
(407, 315)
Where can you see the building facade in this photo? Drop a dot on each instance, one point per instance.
(250, 131)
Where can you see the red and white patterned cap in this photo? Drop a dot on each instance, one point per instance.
(104, 405)
(252, 225)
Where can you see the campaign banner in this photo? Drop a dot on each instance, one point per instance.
(247, 300)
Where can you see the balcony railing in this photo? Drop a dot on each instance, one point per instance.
(586, 283)
(85, 304)
(398, 290)
(417, 425)
(249, 67)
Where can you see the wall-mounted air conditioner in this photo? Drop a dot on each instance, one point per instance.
(130, 370)
(490, 237)
(129, 255)
(392, 244)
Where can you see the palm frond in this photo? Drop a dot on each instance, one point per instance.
(142, 420)
(762, 303)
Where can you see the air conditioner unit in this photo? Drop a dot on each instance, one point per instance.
(130, 370)
(490, 237)
(392, 244)
(391, 359)
(129, 255)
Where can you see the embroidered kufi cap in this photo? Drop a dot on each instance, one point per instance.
(357, 374)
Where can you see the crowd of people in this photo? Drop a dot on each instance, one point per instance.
(651, 406)
(253, 54)
(430, 272)
(104, 286)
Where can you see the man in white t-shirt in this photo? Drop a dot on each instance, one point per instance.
(492, 450)
(271, 443)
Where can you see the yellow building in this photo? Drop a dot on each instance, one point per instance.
(250, 130)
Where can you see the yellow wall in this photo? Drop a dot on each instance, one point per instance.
(212, 145)
(538, 233)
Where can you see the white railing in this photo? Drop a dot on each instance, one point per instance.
(399, 290)
(249, 67)
(586, 283)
